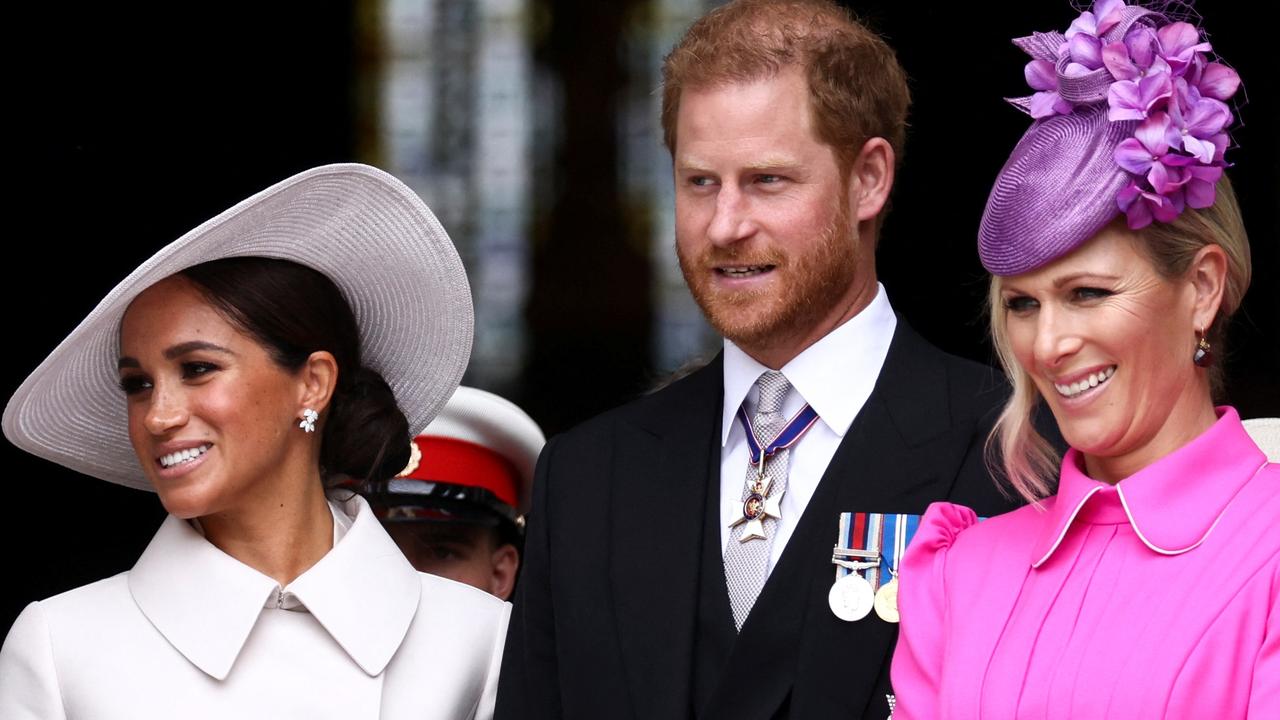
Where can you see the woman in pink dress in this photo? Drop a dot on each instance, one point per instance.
(1147, 586)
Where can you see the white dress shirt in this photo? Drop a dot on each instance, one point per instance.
(835, 376)
(191, 632)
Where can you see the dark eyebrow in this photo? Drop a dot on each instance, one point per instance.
(181, 349)
(176, 351)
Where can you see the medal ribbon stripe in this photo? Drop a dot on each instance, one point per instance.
(846, 526)
(858, 541)
(892, 535)
(795, 428)
(904, 529)
(887, 534)
(874, 543)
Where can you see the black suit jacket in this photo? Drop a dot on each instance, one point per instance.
(605, 616)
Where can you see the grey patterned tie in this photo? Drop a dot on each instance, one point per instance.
(746, 562)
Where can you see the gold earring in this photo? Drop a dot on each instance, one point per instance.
(1203, 356)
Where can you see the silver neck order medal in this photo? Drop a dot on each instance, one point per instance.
(758, 505)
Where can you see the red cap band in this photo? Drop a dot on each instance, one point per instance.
(460, 462)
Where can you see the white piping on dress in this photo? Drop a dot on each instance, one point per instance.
(1067, 525)
(1134, 524)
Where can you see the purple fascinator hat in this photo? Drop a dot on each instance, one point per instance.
(1130, 117)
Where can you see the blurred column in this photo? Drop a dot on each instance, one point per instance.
(589, 315)
(445, 105)
(680, 333)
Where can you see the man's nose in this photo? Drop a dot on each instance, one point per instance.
(732, 220)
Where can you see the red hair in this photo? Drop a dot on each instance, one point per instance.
(857, 89)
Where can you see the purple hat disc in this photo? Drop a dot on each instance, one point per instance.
(1057, 190)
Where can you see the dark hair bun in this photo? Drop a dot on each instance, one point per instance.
(366, 436)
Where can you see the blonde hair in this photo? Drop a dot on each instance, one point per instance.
(1019, 454)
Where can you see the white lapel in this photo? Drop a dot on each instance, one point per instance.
(206, 603)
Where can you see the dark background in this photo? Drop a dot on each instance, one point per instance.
(131, 123)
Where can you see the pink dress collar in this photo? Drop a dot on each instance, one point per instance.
(1172, 504)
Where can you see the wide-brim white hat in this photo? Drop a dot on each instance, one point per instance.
(364, 229)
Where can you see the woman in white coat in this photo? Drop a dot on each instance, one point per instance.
(293, 341)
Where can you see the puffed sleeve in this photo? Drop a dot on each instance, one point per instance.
(28, 676)
(917, 660)
(1264, 697)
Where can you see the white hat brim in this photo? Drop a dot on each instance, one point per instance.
(363, 228)
(1265, 433)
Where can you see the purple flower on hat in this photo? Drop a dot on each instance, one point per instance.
(1133, 57)
(1197, 123)
(1084, 37)
(1218, 81)
(1180, 45)
(1142, 206)
(1131, 100)
(1148, 146)
(1086, 54)
(1149, 70)
(1200, 185)
(1103, 17)
(1042, 76)
(1194, 183)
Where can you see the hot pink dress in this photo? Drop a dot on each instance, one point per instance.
(1153, 598)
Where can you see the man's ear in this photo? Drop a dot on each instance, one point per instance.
(506, 561)
(871, 179)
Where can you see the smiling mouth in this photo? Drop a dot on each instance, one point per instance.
(743, 271)
(1080, 386)
(183, 456)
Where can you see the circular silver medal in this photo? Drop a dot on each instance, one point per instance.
(851, 598)
(887, 601)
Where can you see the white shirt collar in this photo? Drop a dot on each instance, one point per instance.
(834, 375)
(363, 592)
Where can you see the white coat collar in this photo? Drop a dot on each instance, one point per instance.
(363, 592)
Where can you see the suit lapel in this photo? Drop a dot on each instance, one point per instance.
(842, 661)
(662, 474)
(792, 646)
(902, 453)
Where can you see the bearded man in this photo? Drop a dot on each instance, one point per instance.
(679, 556)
